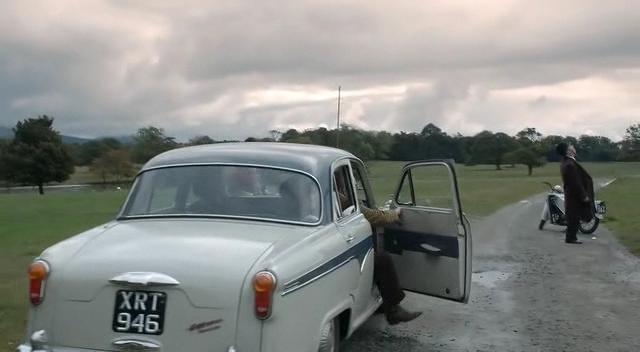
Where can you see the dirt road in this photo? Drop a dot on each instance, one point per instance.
(530, 292)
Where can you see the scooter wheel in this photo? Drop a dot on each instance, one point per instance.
(589, 227)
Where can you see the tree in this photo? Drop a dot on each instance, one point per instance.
(490, 148)
(200, 140)
(36, 154)
(405, 146)
(115, 163)
(631, 144)
(3, 167)
(462, 148)
(275, 135)
(529, 135)
(435, 144)
(87, 152)
(301, 140)
(431, 130)
(354, 141)
(525, 156)
(149, 142)
(290, 135)
(548, 147)
(596, 148)
(263, 139)
(381, 143)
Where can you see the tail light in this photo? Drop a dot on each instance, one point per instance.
(264, 283)
(38, 273)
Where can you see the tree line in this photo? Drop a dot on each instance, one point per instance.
(37, 156)
(528, 147)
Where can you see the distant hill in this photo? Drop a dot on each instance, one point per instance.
(74, 140)
(7, 133)
(123, 139)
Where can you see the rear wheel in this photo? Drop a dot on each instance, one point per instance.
(330, 337)
(590, 226)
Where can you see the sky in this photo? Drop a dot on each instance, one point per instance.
(233, 69)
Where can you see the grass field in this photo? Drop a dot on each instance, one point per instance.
(623, 215)
(30, 223)
(83, 175)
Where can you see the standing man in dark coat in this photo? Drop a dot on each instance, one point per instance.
(578, 192)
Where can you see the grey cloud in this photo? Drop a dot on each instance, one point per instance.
(111, 67)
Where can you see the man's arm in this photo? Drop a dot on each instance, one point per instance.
(377, 217)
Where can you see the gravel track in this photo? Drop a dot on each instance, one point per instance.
(530, 292)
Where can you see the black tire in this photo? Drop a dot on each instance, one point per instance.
(330, 337)
(590, 227)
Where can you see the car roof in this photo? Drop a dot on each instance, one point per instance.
(313, 159)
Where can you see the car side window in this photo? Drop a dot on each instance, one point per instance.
(343, 191)
(405, 195)
(427, 186)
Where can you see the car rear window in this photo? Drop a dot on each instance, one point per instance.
(226, 191)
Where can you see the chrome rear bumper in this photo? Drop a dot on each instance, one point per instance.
(28, 348)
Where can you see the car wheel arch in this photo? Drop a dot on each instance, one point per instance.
(342, 312)
(344, 319)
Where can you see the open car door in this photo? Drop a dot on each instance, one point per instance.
(431, 246)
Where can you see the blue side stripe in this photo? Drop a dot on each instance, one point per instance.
(357, 252)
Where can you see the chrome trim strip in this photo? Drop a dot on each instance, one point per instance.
(296, 285)
(364, 261)
(139, 278)
(214, 216)
(320, 220)
(427, 209)
(136, 345)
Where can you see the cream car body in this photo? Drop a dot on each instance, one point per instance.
(175, 279)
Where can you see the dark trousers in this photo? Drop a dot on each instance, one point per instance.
(573, 222)
(385, 276)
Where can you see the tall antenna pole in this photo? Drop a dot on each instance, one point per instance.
(338, 123)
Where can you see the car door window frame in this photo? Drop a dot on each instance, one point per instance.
(337, 208)
(357, 168)
(406, 177)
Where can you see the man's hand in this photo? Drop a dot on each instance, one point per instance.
(398, 211)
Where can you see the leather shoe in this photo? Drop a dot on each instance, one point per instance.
(572, 241)
(397, 314)
(541, 225)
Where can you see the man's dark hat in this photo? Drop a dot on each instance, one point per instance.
(561, 148)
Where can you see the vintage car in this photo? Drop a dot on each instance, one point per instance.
(246, 247)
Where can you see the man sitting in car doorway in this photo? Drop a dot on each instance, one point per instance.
(384, 271)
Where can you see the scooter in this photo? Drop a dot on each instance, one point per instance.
(553, 211)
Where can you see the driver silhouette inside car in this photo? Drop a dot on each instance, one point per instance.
(207, 189)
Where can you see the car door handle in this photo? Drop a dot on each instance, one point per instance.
(142, 278)
(350, 238)
(431, 249)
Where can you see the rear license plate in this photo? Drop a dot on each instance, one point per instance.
(139, 312)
